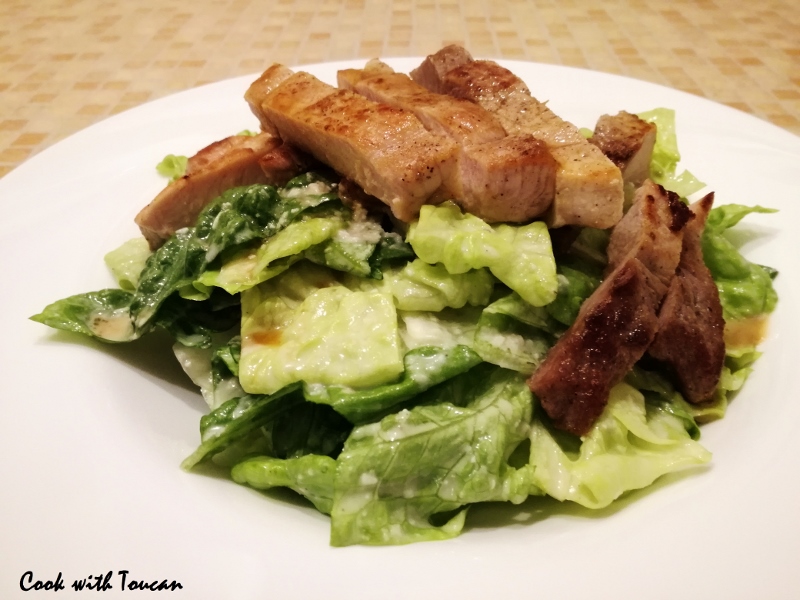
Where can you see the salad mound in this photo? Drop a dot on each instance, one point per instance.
(382, 374)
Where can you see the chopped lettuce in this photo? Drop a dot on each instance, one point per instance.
(745, 288)
(127, 262)
(424, 368)
(310, 475)
(419, 286)
(395, 476)
(172, 166)
(301, 326)
(514, 335)
(630, 446)
(519, 256)
(666, 155)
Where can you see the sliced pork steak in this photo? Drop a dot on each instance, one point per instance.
(628, 142)
(498, 177)
(589, 187)
(384, 149)
(619, 321)
(216, 168)
(690, 324)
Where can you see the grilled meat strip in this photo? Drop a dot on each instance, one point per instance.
(218, 167)
(690, 324)
(628, 142)
(498, 177)
(619, 321)
(383, 149)
(285, 163)
(652, 231)
(589, 187)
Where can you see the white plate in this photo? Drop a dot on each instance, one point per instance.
(92, 435)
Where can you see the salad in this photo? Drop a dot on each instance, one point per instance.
(381, 373)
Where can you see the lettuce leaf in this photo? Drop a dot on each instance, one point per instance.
(630, 446)
(304, 326)
(515, 335)
(311, 476)
(172, 166)
(424, 368)
(127, 262)
(519, 256)
(394, 476)
(745, 288)
(666, 155)
(419, 286)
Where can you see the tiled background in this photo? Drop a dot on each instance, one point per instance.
(65, 64)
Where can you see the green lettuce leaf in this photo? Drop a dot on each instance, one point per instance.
(745, 289)
(519, 256)
(127, 262)
(172, 166)
(419, 286)
(238, 418)
(630, 446)
(666, 155)
(304, 326)
(515, 335)
(311, 476)
(424, 368)
(394, 476)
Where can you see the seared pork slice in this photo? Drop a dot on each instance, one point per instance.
(613, 330)
(383, 149)
(285, 163)
(690, 324)
(465, 122)
(510, 180)
(652, 231)
(618, 322)
(262, 86)
(430, 74)
(628, 141)
(588, 185)
(498, 177)
(220, 166)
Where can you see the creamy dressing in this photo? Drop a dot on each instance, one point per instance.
(114, 326)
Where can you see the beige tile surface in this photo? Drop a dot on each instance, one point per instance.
(65, 64)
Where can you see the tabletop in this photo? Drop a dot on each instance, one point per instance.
(65, 64)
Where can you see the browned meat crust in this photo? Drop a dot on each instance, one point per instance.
(690, 324)
(220, 166)
(497, 178)
(628, 141)
(618, 322)
(383, 149)
(588, 187)
(613, 329)
(652, 231)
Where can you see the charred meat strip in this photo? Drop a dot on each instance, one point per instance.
(613, 330)
(383, 149)
(589, 188)
(690, 324)
(652, 231)
(618, 322)
(498, 177)
(465, 122)
(220, 166)
(628, 141)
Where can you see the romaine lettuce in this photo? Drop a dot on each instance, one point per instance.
(628, 448)
(518, 255)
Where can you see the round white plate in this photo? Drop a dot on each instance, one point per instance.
(92, 435)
